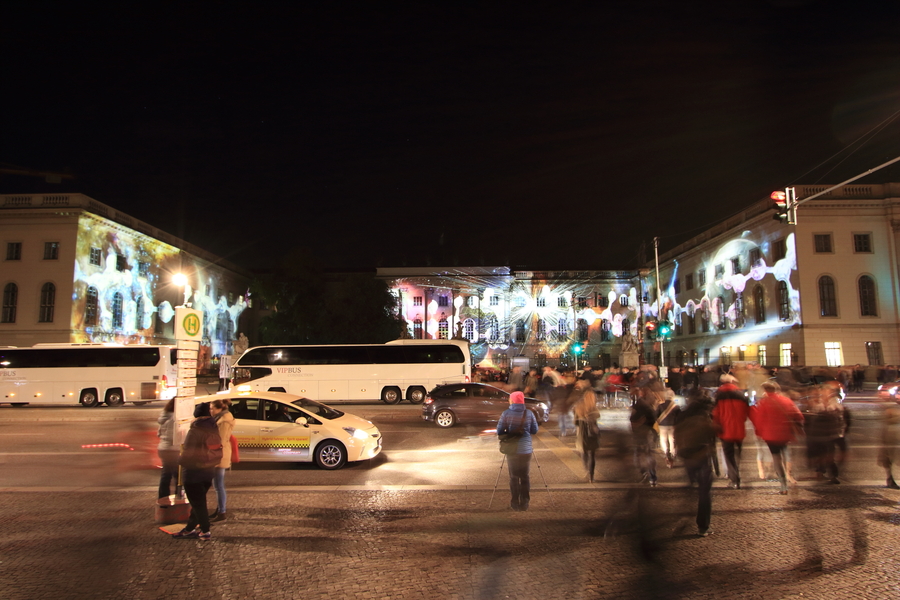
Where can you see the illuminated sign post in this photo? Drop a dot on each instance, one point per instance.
(188, 333)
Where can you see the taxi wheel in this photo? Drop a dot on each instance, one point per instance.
(331, 455)
(391, 395)
(445, 418)
(114, 398)
(89, 398)
(416, 395)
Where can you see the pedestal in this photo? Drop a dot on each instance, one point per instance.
(629, 360)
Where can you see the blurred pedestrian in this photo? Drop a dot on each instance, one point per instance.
(515, 428)
(167, 450)
(889, 453)
(220, 411)
(642, 418)
(695, 437)
(666, 416)
(531, 382)
(224, 371)
(730, 416)
(516, 381)
(775, 419)
(201, 453)
(587, 432)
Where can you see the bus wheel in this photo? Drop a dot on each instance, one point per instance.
(114, 398)
(391, 395)
(89, 398)
(415, 395)
(445, 418)
(331, 455)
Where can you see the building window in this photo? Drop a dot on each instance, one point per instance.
(862, 243)
(541, 302)
(443, 329)
(117, 306)
(582, 302)
(10, 300)
(692, 322)
(14, 251)
(48, 300)
(493, 328)
(472, 301)
(139, 314)
(827, 298)
(605, 331)
(602, 301)
(582, 329)
(784, 355)
(623, 300)
(689, 281)
(759, 304)
(720, 312)
(443, 301)
(679, 326)
(541, 332)
(833, 355)
(735, 265)
(417, 300)
(779, 249)
(701, 277)
(469, 330)
(495, 300)
(561, 302)
(90, 307)
(873, 353)
(418, 334)
(95, 256)
(121, 263)
(784, 301)
(51, 250)
(144, 269)
(676, 285)
(738, 310)
(755, 257)
(520, 302)
(868, 305)
(562, 329)
(704, 319)
(822, 242)
(725, 355)
(706, 356)
(520, 331)
(761, 355)
(720, 271)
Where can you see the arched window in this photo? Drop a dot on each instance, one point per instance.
(784, 301)
(868, 304)
(443, 329)
(90, 306)
(117, 310)
(759, 303)
(469, 330)
(623, 300)
(48, 300)
(827, 298)
(417, 328)
(10, 300)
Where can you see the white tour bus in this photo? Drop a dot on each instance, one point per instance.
(87, 373)
(390, 372)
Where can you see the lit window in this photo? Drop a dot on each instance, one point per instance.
(144, 269)
(761, 355)
(417, 300)
(469, 330)
(833, 355)
(90, 306)
(623, 300)
(95, 256)
(720, 271)
(495, 300)
(48, 300)
(541, 302)
(785, 355)
(117, 310)
(51, 250)
(443, 329)
(541, 332)
(417, 329)
(561, 302)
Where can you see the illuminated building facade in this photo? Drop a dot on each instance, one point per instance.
(77, 270)
(823, 292)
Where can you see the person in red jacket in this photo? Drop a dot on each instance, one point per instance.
(775, 419)
(730, 416)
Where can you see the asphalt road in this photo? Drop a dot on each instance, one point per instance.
(66, 447)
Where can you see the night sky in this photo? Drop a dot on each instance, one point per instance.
(414, 133)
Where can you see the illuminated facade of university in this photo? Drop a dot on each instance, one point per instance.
(77, 270)
(823, 292)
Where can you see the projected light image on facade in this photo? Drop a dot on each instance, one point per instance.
(124, 292)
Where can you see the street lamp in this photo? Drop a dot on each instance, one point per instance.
(181, 280)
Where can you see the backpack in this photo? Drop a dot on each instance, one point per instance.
(694, 435)
(202, 448)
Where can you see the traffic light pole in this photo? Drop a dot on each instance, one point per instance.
(659, 316)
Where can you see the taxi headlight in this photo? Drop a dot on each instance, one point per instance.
(357, 433)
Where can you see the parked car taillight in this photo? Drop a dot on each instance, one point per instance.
(428, 400)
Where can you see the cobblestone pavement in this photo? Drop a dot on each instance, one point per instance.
(629, 542)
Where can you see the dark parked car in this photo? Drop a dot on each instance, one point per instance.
(453, 403)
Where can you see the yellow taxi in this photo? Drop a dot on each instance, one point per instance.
(274, 426)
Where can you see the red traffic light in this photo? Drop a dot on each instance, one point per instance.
(778, 196)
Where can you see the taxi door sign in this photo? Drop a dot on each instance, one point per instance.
(188, 324)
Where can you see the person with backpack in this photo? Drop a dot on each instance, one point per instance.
(515, 428)
(695, 440)
(200, 455)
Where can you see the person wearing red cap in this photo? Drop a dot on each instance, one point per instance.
(515, 428)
